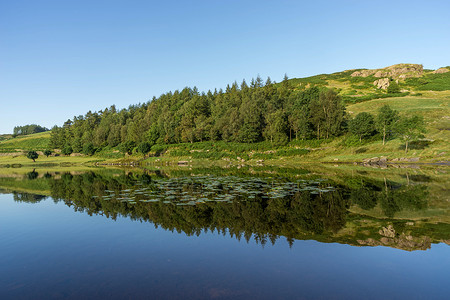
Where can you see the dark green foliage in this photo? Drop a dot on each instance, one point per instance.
(32, 155)
(431, 82)
(362, 125)
(405, 198)
(28, 129)
(77, 146)
(144, 148)
(276, 128)
(32, 175)
(327, 114)
(243, 113)
(393, 88)
(365, 197)
(299, 113)
(385, 121)
(89, 149)
(410, 128)
(257, 215)
(47, 152)
(67, 150)
(127, 147)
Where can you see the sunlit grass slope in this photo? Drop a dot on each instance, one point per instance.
(37, 141)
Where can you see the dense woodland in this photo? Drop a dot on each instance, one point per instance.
(242, 113)
(245, 113)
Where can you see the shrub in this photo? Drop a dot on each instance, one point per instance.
(89, 149)
(67, 150)
(127, 147)
(393, 88)
(47, 152)
(144, 148)
(32, 155)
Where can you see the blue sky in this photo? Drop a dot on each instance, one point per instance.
(59, 59)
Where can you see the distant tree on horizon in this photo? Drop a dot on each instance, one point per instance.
(28, 129)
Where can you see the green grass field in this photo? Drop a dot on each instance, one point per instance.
(37, 141)
(20, 160)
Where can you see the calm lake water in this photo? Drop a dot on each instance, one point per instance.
(224, 234)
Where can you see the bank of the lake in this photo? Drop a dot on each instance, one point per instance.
(343, 149)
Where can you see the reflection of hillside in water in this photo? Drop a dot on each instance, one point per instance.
(259, 208)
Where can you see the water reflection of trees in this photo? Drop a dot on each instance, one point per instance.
(27, 197)
(301, 215)
(265, 219)
(392, 197)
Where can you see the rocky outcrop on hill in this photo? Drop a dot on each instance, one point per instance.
(382, 83)
(362, 73)
(399, 71)
(441, 70)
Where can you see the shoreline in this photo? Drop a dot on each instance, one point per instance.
(8, 162)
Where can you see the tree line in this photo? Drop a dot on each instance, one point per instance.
(28, 129)
(246, 113)
(387, 123)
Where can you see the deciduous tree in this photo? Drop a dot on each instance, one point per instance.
(410, 129)
(32, 155)
(362, 125)
(47, 152)
(386, 120)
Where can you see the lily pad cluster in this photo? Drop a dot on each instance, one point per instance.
(196, 190)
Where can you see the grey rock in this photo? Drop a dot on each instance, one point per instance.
(382, 83)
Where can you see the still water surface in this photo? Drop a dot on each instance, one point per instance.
(90, 236)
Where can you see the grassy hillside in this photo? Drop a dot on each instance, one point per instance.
(354, 89)
(37, 141)
(422, 92)
(434, 108)
(5, 137)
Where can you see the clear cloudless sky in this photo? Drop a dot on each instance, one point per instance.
(59, 58)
